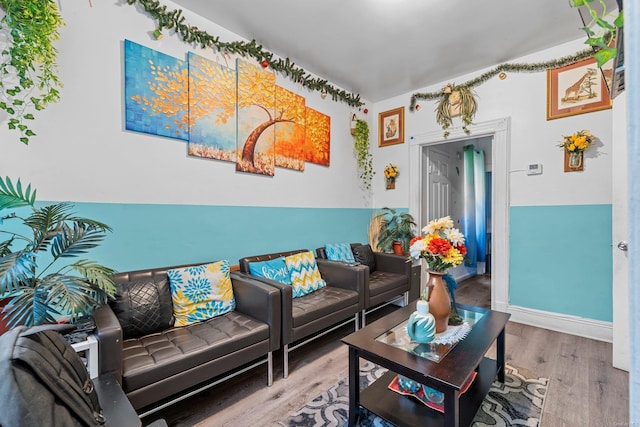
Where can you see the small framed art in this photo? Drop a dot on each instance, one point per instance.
(576, 89)
(391, 127)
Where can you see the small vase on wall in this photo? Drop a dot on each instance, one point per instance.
(391, 184)
(573, 161)
(421, 326)
(439, 301)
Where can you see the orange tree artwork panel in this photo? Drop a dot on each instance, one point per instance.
(256, 119)
(155, 89)
(290, 129)
(212, 109)
(317, 146)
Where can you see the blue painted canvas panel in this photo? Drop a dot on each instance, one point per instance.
(156, 92)
(212, 109)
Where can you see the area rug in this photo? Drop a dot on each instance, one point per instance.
(519, 401)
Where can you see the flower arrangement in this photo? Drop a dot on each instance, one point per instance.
(391, 172)
(578, 142)
(442, 245)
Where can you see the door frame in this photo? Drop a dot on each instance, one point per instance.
(500, 130)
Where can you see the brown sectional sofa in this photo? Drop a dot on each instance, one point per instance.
(155, 362)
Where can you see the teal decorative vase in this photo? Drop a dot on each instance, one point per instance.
(421, 326)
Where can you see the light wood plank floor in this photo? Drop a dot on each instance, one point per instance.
(584, 389)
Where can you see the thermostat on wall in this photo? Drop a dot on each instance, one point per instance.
(535, 169)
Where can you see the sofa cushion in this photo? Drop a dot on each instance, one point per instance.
(339, 252)
(201, 292)
(305, 276)
(364, 255)
(143, 307)
(275, 269)
(324, 302)
(382, 281)
(152, 358)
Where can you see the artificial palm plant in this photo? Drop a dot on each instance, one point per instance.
(395, 227)
(51, 235)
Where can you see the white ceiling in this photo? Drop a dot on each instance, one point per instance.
(384, 48)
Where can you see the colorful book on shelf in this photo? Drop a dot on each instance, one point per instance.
(434, 399)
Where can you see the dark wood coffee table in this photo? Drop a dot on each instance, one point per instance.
(454, 367)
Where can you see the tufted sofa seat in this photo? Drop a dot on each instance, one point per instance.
(155, 367)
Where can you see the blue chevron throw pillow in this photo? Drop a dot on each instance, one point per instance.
(305, 276)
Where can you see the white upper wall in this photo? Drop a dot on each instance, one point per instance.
(83, 153)
(523, 97)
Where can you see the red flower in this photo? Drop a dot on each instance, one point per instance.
(462, 248)
(415, 239)
(439, 246)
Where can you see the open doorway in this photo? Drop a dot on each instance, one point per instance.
(498, 132)
(456, 181)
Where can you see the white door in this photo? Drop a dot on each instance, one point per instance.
(620, 233)
(439, 185)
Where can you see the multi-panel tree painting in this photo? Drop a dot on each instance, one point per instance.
(238, 115)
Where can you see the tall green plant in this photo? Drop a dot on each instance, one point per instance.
(28, 68)
(365, 159)
(396, 227)
(37, 294)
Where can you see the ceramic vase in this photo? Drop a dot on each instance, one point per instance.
(421, 326)
(439, 301)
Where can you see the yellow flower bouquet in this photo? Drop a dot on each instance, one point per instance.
(391, 172)
(578, 142)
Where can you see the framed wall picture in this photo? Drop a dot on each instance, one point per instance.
(576, 89)
(391, 127)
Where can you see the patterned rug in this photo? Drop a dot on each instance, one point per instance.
(519, 401)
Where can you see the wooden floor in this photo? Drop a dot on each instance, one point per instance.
(584, 389)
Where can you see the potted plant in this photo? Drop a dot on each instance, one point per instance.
(396, 227)
(38, 293)
(29, 78)
(365, 159)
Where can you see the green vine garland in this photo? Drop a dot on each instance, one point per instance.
(173, 20)
(28, 79)
(365, 159)
(527, 68)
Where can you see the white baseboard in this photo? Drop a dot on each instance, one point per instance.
(574, 325)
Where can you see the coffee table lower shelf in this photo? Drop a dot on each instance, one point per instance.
(407, 411)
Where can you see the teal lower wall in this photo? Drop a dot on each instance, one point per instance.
(561, 259)
(163, 235)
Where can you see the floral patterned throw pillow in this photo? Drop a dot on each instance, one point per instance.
(201, 292)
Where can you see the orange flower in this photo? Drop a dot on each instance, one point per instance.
(439, 246)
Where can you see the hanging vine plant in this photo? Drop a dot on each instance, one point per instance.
(28, 67)
(365, 159)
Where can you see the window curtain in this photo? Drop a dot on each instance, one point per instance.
(474, 220)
